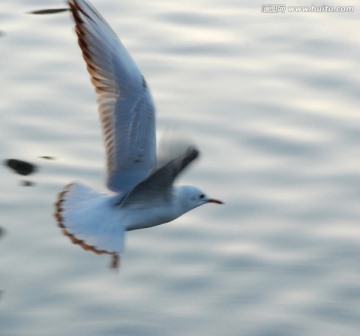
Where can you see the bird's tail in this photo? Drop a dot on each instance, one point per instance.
(89, 219)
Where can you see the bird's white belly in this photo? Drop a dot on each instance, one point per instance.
(144, 218)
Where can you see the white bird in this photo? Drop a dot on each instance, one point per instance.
(141, 194)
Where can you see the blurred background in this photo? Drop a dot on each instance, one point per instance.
(272, 100)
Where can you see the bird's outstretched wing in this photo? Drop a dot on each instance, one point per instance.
(159, 184)
(126, 108)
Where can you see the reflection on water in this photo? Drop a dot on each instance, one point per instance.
(21, 167)
(25, 168)
(47, 157)
(49, 11)
(27, 183)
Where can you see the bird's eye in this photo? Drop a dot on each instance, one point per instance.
(201, 196)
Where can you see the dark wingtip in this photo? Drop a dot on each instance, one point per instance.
(192, 153)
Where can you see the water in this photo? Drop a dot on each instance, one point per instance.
(272, 101)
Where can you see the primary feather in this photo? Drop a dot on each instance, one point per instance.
(126, 108)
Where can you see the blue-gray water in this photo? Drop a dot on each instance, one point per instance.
(272, 101)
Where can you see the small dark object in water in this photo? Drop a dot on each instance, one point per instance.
(49, 11)
(27, 183)
(21, 167)
(47, 157)
(2, 231)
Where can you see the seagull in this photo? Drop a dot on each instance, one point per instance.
(141, 191)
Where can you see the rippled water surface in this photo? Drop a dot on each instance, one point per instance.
(272, 101)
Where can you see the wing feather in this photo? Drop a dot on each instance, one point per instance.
(159, 184)
(127, 112)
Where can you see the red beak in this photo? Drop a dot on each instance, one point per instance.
(212, 200)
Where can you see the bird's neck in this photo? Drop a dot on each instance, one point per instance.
(179, 201)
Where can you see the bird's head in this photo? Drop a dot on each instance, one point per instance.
(191, 197)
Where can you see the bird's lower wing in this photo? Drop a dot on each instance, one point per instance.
(158, 185)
